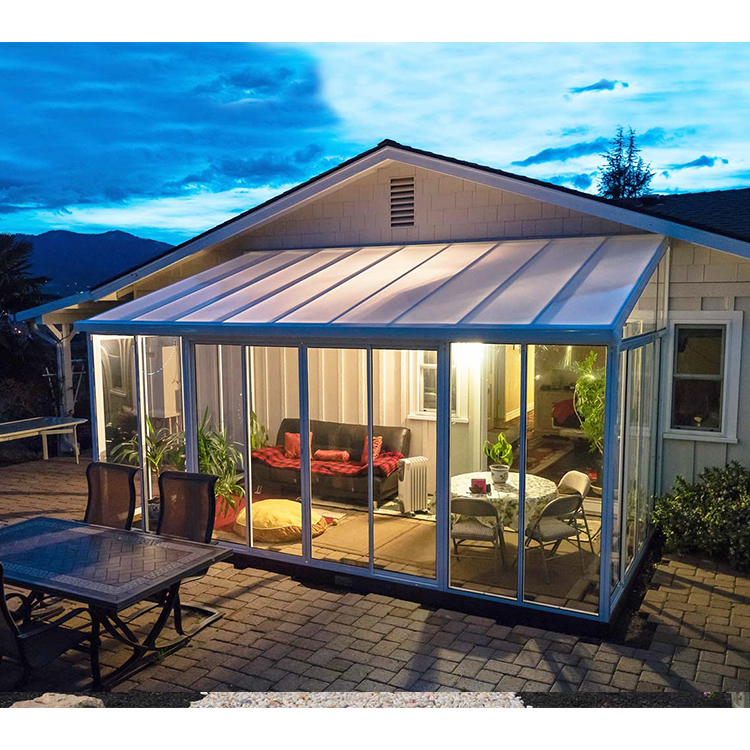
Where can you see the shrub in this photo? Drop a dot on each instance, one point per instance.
(709, 517)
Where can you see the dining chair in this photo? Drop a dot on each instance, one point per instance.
(187, 510)
(554, 525)
(467, 526)
(33, 643)
(111, 499)
(578, 483)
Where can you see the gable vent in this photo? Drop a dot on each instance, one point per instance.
(402, 201)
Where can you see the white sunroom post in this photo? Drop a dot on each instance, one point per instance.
(608, 466)
(248, 432)
(304, 432)
(442, 479)
(141, 412)
(189, 404)
(521, 552)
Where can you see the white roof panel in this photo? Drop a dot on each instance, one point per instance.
(521, 286)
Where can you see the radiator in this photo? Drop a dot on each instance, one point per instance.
(412, 484)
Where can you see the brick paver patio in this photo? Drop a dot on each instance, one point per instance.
(280, 634)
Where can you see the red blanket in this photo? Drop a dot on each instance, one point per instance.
(385, 464)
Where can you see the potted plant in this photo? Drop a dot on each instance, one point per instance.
(500, 458)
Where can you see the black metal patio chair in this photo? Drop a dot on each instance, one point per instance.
(111, 495)
(32, 643)
(187, 510)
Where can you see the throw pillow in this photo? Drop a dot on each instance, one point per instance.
(377, 446)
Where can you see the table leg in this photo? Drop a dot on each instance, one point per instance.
(75, 444)
(96, 673)
(45, 449)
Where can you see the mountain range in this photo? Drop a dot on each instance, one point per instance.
(76, 261)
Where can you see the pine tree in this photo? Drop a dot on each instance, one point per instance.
(624, 174)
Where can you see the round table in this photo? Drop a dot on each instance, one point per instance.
(539, 491)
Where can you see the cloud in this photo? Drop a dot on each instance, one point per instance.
(577, 180)
(701, 161)
(565, 153)
(603, 84)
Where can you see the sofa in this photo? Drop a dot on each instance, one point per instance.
(347, 482)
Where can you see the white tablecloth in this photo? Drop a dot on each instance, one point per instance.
(539, 491)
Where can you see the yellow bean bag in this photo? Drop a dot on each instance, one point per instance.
(278, 521)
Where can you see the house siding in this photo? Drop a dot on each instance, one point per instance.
(705, 279)
(446, 209)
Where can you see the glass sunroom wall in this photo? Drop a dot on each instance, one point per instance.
(485, 404)
(564, 474)
(339, 466)
(273, 514)
(221, 434)
(404, 414)
(116, 399)
(647, 313)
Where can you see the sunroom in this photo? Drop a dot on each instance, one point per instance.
(413, 370)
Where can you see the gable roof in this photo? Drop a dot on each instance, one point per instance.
(723, 211)
(635, 216)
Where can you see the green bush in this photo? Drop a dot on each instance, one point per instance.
(709, 517)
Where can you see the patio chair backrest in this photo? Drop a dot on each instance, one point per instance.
(188, 505)
(574, 482)
(111, 495)
(562, 507)
(8, 629)
(474, 507)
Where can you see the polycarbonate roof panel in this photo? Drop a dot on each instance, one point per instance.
(575, 283)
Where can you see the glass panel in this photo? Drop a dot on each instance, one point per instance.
(165, 437)
(221, 444)
(699, 351)
(117, 417)
(632, 451)
(662, 298)
(645, 474)
(273, 411)
(404, 500)
(643, 317)
(484, 501)
(696, 404)
(563, 481)
(617, 494)
(339, 476)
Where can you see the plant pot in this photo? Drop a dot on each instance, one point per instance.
(499, 473)
(226, 515)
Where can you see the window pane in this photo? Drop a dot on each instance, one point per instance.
(484, 525)
(643, 318)
(564, 455)
(700, 351)
(696, 404)
(339, 481)
(403, 504)
(429, 376)
(221, 443)
(275, 504)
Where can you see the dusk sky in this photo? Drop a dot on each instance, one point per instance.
(167, 140)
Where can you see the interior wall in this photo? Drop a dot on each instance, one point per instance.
(701, 278)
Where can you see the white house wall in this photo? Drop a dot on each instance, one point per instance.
(446, 208)
(705, 279)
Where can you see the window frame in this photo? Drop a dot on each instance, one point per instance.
(417, 409)
(731, 321)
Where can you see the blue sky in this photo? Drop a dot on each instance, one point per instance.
(168, 140)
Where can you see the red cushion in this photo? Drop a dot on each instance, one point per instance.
(292, 448)
(377, 446)
(335, 456)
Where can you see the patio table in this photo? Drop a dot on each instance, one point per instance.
(109, 570)
(42, 426)
(539, 491)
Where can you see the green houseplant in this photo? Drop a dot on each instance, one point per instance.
(500, 458)
(588, 400)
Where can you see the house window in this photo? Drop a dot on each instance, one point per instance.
(704, 364)
(698, 377)
(424, 396)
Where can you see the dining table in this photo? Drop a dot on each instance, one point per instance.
(109, 571)
(538, 492)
